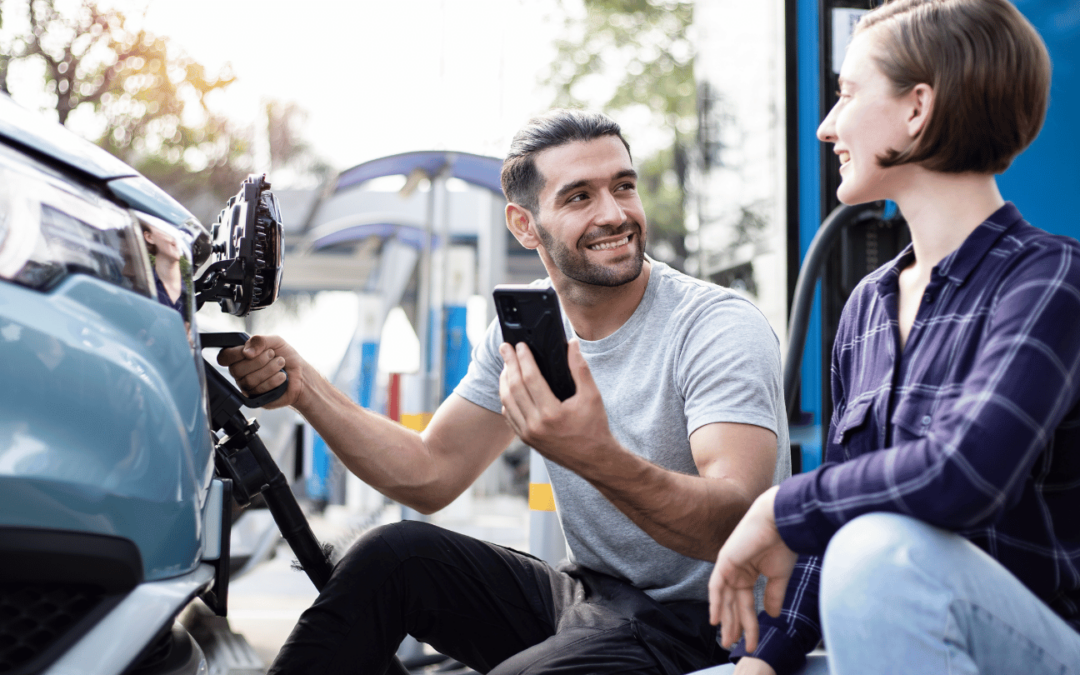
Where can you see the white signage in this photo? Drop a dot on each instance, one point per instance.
(399, 348)
(843, 26)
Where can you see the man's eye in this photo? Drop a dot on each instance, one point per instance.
(626, 186)
(577, 198)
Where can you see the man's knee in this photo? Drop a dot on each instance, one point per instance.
(387, 546)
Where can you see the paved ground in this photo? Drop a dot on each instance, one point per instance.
(265, 604)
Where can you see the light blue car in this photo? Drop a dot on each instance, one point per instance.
(112, 517)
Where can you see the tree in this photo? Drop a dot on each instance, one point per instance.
(645, 48)
(290, 154)
(4, 59)
(147, 100)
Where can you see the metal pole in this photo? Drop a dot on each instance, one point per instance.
(423, 304)
(437, 292)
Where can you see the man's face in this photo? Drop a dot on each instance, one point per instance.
(591, 223)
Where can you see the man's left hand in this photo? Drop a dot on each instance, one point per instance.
(567, 432)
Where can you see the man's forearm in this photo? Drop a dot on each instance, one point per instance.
(381, 452)
(692, 515)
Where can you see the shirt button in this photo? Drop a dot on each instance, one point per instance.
(928, 298)
(926, 420)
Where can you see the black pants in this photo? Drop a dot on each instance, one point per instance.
(492, 608)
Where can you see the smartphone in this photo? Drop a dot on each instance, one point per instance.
(531, 315)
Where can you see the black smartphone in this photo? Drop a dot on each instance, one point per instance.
(531, 315)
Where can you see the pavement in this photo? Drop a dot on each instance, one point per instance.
(265, 604)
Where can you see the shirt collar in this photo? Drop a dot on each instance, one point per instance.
(958, 265)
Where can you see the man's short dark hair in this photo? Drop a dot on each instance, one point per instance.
(990, 72)
(521, 180)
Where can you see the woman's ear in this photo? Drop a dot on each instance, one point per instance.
(922, 106)
(520, 223)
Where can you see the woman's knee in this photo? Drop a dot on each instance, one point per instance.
(876, 556)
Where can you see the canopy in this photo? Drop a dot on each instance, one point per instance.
(475, 169)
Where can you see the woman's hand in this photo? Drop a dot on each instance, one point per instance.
(748, 665)
(754, 548)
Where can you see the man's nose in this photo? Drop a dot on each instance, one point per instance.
(611, 211)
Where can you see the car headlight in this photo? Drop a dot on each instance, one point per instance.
(49, 230)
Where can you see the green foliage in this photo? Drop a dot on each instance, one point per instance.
(288, 150)
(647, 41)
(644, 47)
(148, 99)
(5, 59)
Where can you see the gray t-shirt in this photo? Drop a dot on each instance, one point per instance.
(692, 354)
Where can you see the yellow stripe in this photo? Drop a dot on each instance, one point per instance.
(417, 422)
(541, 498)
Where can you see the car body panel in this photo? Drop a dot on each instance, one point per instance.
(106, 430)
(116, 640)
(32, 131)
(140, 194)
(52, 142)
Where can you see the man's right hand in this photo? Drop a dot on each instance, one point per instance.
(256, 367)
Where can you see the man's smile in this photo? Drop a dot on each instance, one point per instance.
(610, 244)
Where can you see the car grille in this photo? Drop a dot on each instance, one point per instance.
(34, 616)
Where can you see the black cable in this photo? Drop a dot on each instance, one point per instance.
(290, 518)
(813, 263)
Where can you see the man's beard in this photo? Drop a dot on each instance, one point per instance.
(576, 265)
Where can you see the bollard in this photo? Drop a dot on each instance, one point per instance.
(546, 540)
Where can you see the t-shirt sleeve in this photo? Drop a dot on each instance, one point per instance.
(729, 367)
(481, 382)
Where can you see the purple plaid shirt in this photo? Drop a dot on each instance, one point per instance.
(974, 427)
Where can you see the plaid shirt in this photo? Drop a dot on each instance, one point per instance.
(974, 427)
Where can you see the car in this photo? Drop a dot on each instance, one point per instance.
(121, 452)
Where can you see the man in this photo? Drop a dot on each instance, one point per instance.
(676, 426)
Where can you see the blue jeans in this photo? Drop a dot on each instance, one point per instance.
(901, 596)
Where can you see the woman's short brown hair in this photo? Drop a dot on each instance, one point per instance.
(989, 70)
(150, 248)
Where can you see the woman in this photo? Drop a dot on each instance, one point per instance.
(947, 510)
(168, 277)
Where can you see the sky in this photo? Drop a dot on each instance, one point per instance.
(375, 78)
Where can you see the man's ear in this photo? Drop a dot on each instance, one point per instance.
(921, 98)
(520, 223)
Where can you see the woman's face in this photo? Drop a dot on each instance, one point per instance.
(167, 248)
(867, 120)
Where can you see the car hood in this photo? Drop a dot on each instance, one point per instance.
(53, 142)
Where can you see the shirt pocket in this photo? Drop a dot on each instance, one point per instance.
(853, 433)
(913, 416)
